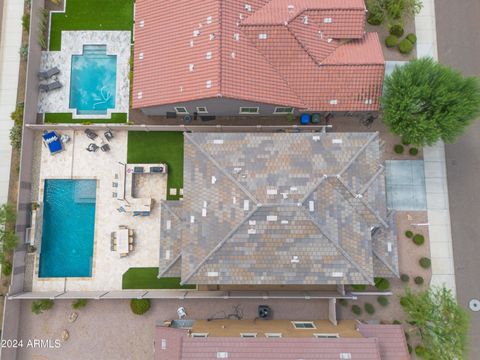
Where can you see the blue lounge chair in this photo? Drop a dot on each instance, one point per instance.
(52, 140)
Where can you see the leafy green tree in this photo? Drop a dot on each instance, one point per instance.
(425, 101)
(395, 11)
(8, 238)
(439, 321)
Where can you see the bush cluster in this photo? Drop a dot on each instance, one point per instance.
(369, 308)
(409, 234)
(398, 149)
(418, 280)
(413, 151)
(396, 30)
(425, 262)
(405, 278)
(412, 38)
(357, 310)
(418, 239)
(382, 283)
(382, 300)
(140, 306)
(405, 46)
(391, 41)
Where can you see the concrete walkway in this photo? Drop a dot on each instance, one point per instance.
(443, 271)
(11, 37)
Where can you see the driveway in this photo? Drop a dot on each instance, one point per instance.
(458, 36)
(107, 329)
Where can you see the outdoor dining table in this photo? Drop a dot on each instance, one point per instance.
(122, 241)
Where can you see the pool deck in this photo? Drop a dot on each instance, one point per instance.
(117, 42)
(76, 163)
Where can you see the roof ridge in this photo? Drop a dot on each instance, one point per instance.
(218, 246)
(384, 262)
(358, 153)
(367, 185)
(345, 254)
(161, 273)
(219, 167)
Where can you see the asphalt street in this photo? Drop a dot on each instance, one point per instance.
(458, 37)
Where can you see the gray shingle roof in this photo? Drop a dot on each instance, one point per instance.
(280, 209)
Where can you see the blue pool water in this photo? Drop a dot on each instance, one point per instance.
(68, 228)
(93, 81)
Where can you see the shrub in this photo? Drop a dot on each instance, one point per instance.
(140, 306)
(418, 280)
(7, 268)
(410, 349)
(420, 351)
(26, 22)
(23, 52)
(391, 41)
(17, 115)
(398, 149)
(405, 46)
(16, 136)
(343, 302)
(39, 306)
(80, 303)
(369, 308)
(359, 287)
(375, 17)
(405, 278)
(396, 30)
(413, 151)
(357, 310)
(418, 239)
(405, 142)
(396, 322)
(382, 283)
(382, 300)
(425, 262)
(412, 38)
(409, 234)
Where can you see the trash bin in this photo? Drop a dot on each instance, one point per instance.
(305, 119)
(316, 118)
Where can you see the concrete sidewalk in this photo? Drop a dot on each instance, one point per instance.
(443, 271)
(11, 38)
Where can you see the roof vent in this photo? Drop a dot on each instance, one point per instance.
(214, 179)
(209, 55)
(222, 355)
(305, 20)
(389, 247)
(337, 274)
(329, 40)
(139, 95)
(168, 224)
(196, 33)
(204, 212)
(295, 259)
(167, 254)
(368, 102)
(140, 56)
(291, 7)
(337, 141)
(333, 102)
(218, 141)
(263, 36)
(191, 43)
(246, 205)
(248, 7)
(208, 84)
(284, 222)
(252, 222)
(252, 231)
(164, 344)
(209, 20)
(316, 138)
(236, 36)
(142, 23)
(272, 218)
(191, 67)
(345, 356)
(311, 206)
(272, 192)
(192, 219)
(212, 273)
(327, 20)
(233, 55)
(212, 37)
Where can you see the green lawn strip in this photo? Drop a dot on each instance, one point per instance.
(91, 15)
(146, 278)
(159, 147)
(66, 118)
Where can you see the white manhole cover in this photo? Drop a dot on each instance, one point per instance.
(474, 305)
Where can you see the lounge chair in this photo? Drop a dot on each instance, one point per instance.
(138, 170)
(45, 75)
(91, 134)
(105, 147)
(92, 147)
(130, 247)
(52, 140)
(108, 135)
(130, 232)
(122, 226)
(49, 87)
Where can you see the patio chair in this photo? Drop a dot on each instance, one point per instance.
(130, 232)
(130, 240)
(114, 195)
(105, 148)
(130, 247)
(45, 75)
(92, 147)
(108, 135)
(52, 141)
(49, 87)
(123, 255)
(122, 226)
(91, 134)
(113, 235)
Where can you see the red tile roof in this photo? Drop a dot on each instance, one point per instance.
(260, 348)
(393, 345)
(195, 49)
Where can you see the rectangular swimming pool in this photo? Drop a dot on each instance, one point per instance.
(68, 228)
(93, 81)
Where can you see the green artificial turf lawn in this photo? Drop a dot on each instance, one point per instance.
(159, 147)
(91, 15)
(146, 278)
(66, 118)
